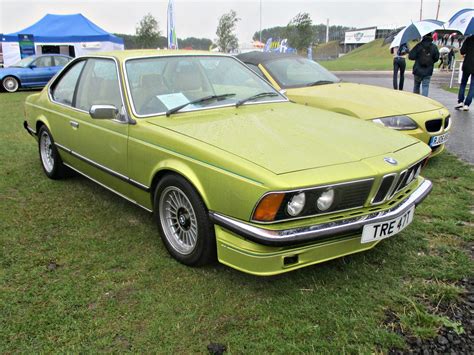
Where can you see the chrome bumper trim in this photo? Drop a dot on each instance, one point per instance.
(29, 129)
(319, 231)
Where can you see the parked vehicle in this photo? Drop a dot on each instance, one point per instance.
(229, 167)
(31, 72)
(306, 82)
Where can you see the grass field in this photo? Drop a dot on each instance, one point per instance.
(370, 56)
(82, 270)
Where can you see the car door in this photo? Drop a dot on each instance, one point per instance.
(58, 63)
(101, 143)
(41, 71)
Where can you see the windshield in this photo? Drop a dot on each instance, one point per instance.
(296, 72)
(25, 62)
(160, 84)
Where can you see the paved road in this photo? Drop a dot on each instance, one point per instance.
(461, 141)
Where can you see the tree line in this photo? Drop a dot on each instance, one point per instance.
(300, 33)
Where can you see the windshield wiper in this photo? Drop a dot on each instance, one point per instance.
(197, 101)
(254, 97)
(320, 82)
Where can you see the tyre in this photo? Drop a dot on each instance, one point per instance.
(51, 162)
(10, 84)
(183, 222)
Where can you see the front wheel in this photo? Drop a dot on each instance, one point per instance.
(183, 222)
(10, 84)
(49, 156)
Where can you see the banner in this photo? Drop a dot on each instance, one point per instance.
(364, 35)
(27, 45)
(172, 38)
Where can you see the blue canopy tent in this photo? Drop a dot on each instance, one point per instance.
(62, 30)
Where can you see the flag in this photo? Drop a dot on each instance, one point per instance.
(267, 46)
(172, 39)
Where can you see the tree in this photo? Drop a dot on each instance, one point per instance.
(299, 31)
(147, 32)
(226, 39)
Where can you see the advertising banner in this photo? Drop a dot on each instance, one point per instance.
(365, 35)
(27, 45)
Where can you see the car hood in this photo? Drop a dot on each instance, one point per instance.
(285, 137)
(363, 101)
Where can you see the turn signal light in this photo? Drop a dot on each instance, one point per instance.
(268, 207)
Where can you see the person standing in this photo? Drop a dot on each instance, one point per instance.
(467, 50)
(399, 64)
(451, 58)
(425, 54)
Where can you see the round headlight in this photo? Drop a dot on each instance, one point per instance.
(296, 204)
(325, 200)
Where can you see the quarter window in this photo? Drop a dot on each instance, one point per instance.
(60, 61)
(99, 85)
(63, 90)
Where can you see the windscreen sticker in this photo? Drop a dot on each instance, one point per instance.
(173, 100)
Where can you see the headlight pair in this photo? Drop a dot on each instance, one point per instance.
(296, 204)
(400, 123)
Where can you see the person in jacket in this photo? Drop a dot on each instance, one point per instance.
(467, 50)
(425, 54)
(451, 58)
(399, 64)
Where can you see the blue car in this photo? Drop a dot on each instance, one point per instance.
(32, 72)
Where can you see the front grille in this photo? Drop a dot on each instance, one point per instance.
(384, 188)
(434, 125)
(347, 196)
(446, 121)
(387, 189)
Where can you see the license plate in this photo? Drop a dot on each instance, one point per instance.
(437, 140)
(382, 230)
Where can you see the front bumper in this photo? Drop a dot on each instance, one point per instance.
(30, 130)
(319, 231)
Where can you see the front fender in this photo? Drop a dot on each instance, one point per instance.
(179, 167)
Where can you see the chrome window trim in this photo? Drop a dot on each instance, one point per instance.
(301, 190)
(86, 58)
(104, 168)
(132, 103)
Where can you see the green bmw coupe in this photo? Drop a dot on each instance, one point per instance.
(229, 167)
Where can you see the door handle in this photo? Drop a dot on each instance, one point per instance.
(74, 124)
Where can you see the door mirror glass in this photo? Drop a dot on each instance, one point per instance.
(104, 112)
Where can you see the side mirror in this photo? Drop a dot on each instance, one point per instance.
(104, 112)
(32, 66)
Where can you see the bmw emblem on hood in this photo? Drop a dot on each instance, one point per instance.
(390, 160)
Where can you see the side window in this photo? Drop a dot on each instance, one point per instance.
(63, 90)
(60, 61)
(42, 62)
(99, 85)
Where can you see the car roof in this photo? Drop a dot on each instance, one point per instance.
(134, 53)
(256, 57)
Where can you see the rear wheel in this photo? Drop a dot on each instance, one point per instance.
(49, 155)
(183, 222)
(10, 84)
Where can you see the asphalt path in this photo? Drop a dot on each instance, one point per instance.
(461, 140)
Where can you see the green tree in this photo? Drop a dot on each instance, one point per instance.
(226, 39)
(147, 32)
(299, 31)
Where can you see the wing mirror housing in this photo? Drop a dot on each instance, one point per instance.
(104, 112)
(32, 66)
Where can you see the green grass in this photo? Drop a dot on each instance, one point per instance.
(115, 287)
(371, 56)
(455, 90)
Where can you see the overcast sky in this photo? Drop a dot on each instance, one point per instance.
(200, 18)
